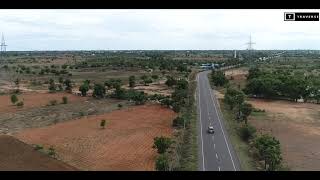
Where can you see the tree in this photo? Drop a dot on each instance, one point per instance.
(269, 150)
(52, 85)
(132, 81)
(170, 81)
(219, 78)
(254, 73)
(234, 97)
(14, 98)
(162, 163)
(84, 88)
(246, 110)
(139, 98)
(68, 85)
(182, 84)
(98, 91)
(161, 144)
(146, 79)
(103, 123)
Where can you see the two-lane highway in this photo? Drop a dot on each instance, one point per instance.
(216, 153)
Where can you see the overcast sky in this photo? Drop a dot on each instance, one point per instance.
(155, 29)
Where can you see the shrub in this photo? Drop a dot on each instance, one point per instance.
(119, 106)
(14, 98)
(20, 104)
(81, 113)
(161, 144)
(52, 86)
(247, 132)
(53, 102)
(103, 123)
(162, 163)
(178, 122)
(38, 147)
(64, 100)
(99, 91)
(52, 152)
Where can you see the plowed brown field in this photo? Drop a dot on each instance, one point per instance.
(125, 143)
(18, 156)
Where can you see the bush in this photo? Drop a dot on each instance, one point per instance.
(99, 91)
(81, 113)
(64, 100)
(119, 106)
(162, 163)
(20, 104)
(52, 152)
(161, 144)
(103, 123)
(38, 147)
(247, 132)
(176, 107)
(178, 122)
(53, 102)
(14, 98)
(52, 86)
(84, 88)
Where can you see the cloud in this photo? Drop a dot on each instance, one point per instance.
(155, 29)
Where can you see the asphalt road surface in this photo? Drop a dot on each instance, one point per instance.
(216, 152)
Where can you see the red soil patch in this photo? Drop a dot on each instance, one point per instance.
(125, 143)
(18, 156)
(32, 100)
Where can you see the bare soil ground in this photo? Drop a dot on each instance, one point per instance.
(296, 125)
(125, 143)
(154, 88)
(237, 71)
(11, 122)
(18, 156)
(33, 100)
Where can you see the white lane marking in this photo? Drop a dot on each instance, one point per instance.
(201, 125)
(212, 137)
(222, 129)
(214, 146)
(219, 168)
(217, 156)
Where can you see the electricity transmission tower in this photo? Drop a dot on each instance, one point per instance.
(3, 47)
(250, 48)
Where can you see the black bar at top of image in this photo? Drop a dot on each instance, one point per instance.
(306, 16)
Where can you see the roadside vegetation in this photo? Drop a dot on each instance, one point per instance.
(252, 148)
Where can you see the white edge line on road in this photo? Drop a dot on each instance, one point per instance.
(222, 129)
(219, 168)
(214, 146)
(201, 125)
(217, 156)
